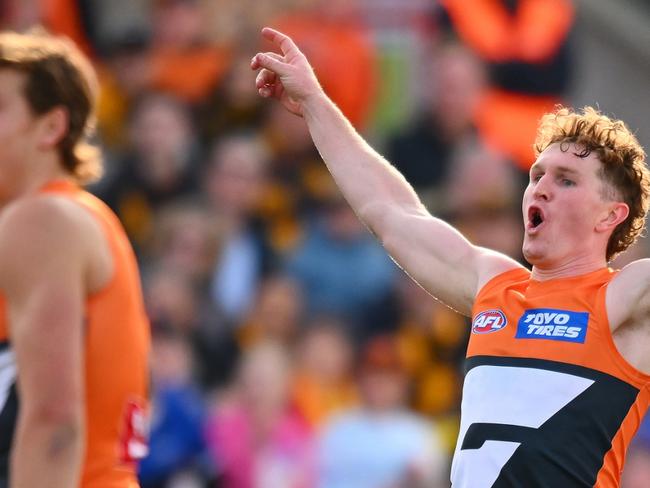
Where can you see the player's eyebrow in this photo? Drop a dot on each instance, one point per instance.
(558, 169)
(564, 169)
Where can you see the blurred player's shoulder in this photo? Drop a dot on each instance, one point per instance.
(47, 226)
(44, 212)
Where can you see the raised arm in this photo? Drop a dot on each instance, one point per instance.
(432, 252)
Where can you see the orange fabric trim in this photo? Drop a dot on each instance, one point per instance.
(609, 475)
(515, 274)
(60, 185)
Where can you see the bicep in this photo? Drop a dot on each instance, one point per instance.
(46, 337)
(42, 279)
(441, 259)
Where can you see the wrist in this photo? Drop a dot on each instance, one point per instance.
(314, 101)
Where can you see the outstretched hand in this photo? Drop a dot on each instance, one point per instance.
(287, 76)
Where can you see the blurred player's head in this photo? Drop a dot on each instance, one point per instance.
(593, 170)
(47, 93)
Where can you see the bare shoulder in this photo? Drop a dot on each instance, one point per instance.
(41, 233)
(46, 216)
(436, 255)
(628, 295)
(492, 264)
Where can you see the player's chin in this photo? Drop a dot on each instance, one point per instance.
(533, 254)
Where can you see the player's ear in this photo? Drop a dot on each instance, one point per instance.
(53, 128)
(616, 214)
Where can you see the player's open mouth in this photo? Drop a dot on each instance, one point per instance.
(535, 218)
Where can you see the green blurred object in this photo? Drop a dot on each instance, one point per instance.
(393, 106)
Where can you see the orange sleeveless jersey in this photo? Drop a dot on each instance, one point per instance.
(116, 359)
(547, 401)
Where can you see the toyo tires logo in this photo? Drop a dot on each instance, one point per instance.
(553, 324)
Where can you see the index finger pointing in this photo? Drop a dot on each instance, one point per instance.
(283, 41)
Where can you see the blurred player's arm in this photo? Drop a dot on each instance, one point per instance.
(628, 297)
(432, 252)
(42, 275)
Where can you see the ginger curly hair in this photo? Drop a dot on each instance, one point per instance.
(623, 169)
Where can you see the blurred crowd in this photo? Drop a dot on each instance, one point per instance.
(289, 351)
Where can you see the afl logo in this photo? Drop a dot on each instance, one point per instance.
(489, 321)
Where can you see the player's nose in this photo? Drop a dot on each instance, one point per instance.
(542, 189)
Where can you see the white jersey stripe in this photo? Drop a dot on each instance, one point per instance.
(7, 375)
(509, 395)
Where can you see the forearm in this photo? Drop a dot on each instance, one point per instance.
(366, 179)
(428, 249)
(47, 453)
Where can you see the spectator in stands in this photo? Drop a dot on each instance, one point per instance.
(424, 151)
(483, 188)
(324, 383)
(341, 269)
(381, 444)
(187, 240)
(234, 184)
(177, 268)
(124, 79)
(160, 165)
(182, 60)
(276, 314)
(255, 437)
(297, 179)
(176, 441)
(526, 44)
(431, 340)
(233, 106)
(171, 300)
(172, 55)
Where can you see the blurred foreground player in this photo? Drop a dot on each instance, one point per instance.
(559, 357)
(74, 337)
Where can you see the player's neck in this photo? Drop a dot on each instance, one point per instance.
(48, 169)
(568, 269)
